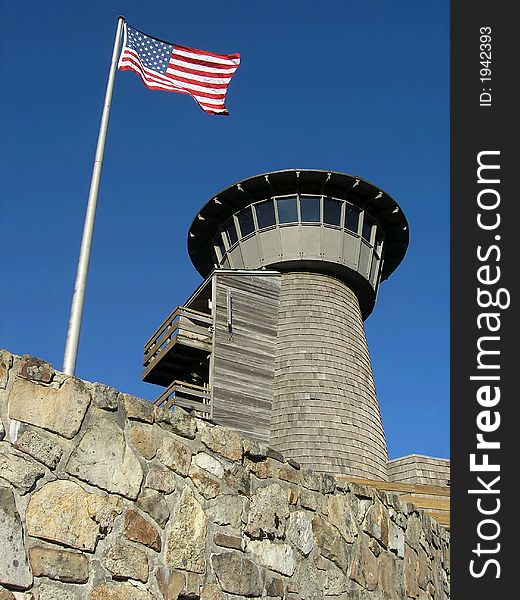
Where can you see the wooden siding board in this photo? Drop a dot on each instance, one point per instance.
(243, 360)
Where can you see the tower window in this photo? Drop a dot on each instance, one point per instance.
(245, 220)
(310, 209)
(332, 211)
(287, 210)
(352, 219)
(368, 225)
(219, 244)
(230, 235)
(265, 214)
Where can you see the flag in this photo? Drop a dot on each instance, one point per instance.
(204, 76)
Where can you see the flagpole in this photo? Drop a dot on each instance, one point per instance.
(76, 312)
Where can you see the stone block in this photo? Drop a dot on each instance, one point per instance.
(396, 539)
(138, 529)
(206, 484)
(138, 409)
(170, 582)
(228, 541)
(276, 556)
(376, 523)
(237, 574)
(145, 440)
(58, 410)
(54, 590)
(238, 478)
(261, 469)
(103, 459)
(35, 369)
(209, 463)
(363, 568)
(186, 541)
(119, 591)
(162, 480)
(175, 455)
(154, 504)
(6, 362)
(19, 470)
(104, 397)
(268, 513)
(299, 531)
(223, 441)
(14, 565)
(126, 562)
(340, 514)
(211, 591)
(410, 572)
(226, 509)
(331, 543)
(289, 474)
(63, 512)
(306, 583)
(390, 581)
(254, 449)
(59, 564)
(41, 447)
(177, 421)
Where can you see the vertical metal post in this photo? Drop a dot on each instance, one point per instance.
(76, 313)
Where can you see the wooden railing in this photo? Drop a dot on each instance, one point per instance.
(186, 395)
(193, 325)
(433, 499)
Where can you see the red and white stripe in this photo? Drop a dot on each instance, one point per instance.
(204, 76)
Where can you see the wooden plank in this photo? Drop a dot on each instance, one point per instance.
(161, 327)
(179, 340)
(395, 486)
(425, 502)
(192, 405)
(441, 517)
(176, 313)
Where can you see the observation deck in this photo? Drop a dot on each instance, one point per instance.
(311, 220)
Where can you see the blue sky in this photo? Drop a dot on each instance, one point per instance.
(353, 86)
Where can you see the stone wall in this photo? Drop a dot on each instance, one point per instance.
(104, 497)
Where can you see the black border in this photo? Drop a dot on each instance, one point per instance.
(476, 128)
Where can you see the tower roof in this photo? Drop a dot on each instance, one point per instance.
(356, 190)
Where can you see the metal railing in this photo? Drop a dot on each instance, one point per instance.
(186, 395)
(192, 324)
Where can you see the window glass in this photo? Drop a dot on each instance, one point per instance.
(352, 219)
(231, 234)
(245, 220)
(287, 210)
(220, 245)
(332, 211)
(367, 228)
(310, 209)
(265, 214)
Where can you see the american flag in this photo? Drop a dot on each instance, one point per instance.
(204, 76)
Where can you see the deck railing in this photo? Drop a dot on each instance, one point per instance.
(193, 325)
(186, 395)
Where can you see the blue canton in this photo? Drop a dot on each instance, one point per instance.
(154, 54)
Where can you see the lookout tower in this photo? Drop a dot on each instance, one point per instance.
(272, 343)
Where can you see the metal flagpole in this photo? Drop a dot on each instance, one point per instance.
(76, 312)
